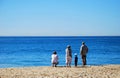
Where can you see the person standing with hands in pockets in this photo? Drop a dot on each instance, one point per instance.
(83, 52)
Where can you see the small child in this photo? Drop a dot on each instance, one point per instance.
(76, 60)
(54, 59)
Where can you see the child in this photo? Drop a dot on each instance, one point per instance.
(54, 60)
(76, 60)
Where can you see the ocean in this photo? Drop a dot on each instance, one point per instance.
(18, 51)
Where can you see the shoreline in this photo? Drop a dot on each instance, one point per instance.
(102, 71)
(57, 66)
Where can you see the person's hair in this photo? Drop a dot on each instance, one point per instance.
(68, 46)
(54, 52)
(83, 43)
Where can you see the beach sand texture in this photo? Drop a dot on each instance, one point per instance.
(106, 71)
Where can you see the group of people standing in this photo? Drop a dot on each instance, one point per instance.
(68, 57)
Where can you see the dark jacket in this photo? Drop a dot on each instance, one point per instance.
(83, 50)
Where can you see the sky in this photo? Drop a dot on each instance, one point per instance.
(59, 17)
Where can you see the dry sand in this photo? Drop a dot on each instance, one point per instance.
(107, 71)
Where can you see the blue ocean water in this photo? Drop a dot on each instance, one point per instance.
(36, 51)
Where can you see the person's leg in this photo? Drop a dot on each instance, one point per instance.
(56, 65)
(69, 64)
(70, 59)
(75, 63)
(84, 59)
(66, 63)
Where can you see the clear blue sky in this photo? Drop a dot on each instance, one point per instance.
(59, 17)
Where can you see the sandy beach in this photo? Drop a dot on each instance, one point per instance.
(106, 71)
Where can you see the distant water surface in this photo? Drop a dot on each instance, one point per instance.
(36, 51)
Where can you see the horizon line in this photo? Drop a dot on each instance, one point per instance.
(62, 36)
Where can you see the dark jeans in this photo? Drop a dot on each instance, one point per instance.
(83, 59)
(75, 63)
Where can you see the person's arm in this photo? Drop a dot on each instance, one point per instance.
(67, 53)
(81, 50)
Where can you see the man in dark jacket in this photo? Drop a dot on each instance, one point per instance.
(83, 52)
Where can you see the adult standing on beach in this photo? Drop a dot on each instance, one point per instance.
(83, 52)
(68, 56)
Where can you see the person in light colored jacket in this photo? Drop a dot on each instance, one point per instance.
(68, 56)
(54, 59)
(83, 52)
